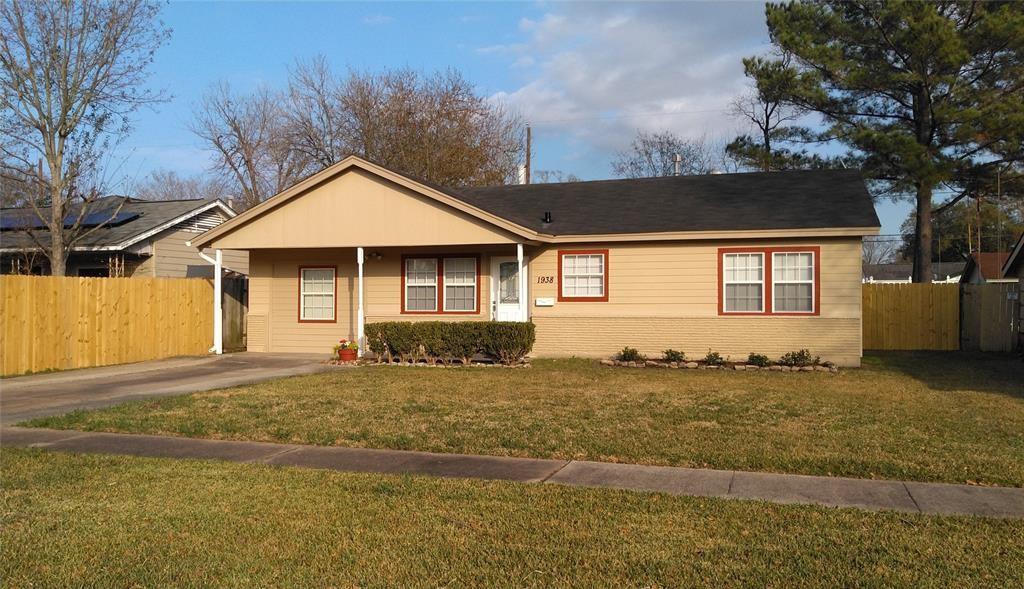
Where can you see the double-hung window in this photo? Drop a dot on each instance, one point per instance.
(317, 293)
(770, 281)
(743, 282)
(421, 284)
(443, 284)
(460, 285)
(583, 275)
(793, 282)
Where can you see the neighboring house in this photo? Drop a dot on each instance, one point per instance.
(1014, 265)
(737, 263)
(983, 267)
(128, 237)
(902, 272)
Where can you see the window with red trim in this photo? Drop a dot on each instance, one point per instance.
(447, 284)
(769, 281)
(583, 275)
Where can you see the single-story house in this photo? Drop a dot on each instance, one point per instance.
(127, 237)
(984, 267)
(737, 263)
(1014, 265)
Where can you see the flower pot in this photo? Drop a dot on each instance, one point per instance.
(347, 355)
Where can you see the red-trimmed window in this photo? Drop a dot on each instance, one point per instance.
(441, 284)
(769, 281)
(583, 275)
(318, 293)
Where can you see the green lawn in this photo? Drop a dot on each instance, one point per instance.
(932, 417)
(105, 521)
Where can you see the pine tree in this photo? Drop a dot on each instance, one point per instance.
(925, 95)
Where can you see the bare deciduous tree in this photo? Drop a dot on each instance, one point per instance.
(552, 176)
(881, 250)
(169, 185)
(435, 127)
(653, 154)
(71, 74)
(252, 141)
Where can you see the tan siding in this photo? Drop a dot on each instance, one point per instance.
(360, 209)
(273, 293)
(660, 295)
(837, 340)
(681, 279)
(174, 259)
(666, 295)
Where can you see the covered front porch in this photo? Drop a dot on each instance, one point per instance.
(304, 300)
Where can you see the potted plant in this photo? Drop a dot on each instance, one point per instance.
(346, 350)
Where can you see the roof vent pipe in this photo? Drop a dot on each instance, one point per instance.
(677, 164)
(547, 216)
(522, 174)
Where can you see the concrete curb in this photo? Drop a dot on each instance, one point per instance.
(908, 497)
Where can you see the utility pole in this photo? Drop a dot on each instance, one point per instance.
(528, 141)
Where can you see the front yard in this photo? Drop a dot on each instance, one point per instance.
(930, 417)
(111, 521)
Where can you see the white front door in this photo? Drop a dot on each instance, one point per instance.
(505, 290)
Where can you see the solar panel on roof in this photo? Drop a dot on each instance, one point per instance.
(22, 221)
(102, 218)
(9, 222)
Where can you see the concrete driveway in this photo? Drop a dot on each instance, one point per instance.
(39, 395)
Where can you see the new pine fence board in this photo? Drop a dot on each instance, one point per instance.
(56, 323)
(911, 316)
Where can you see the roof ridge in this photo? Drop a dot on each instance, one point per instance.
(659, 178)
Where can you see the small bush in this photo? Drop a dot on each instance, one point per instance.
(629, 354)
(507, 341)
(800, 358)
(671, 355)
(758, 360)
(714, 359)
(459, 341)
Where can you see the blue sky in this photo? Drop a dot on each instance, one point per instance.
(586, 75)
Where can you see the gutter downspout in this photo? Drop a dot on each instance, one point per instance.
(360, 318)
(218, 312)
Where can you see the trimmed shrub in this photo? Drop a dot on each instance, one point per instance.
(629, 354)
(713, 359)
(507, 341)
(671, 355)
(459, 341)
(391, 339)
(758, 360)
(799, 358)
(426, 337)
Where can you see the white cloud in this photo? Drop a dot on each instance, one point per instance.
(602, 71)
(377, 19)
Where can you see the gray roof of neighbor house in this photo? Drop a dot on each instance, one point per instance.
(135, 219)
(718, 202)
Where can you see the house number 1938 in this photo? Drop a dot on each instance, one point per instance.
(545, 280)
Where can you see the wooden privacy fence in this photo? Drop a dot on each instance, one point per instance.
(51, 323)
(989, 317)
(911, 316)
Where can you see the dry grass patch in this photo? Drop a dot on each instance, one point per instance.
(931, 417)
(105, 521)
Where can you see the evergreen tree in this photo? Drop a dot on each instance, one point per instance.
(923, 94)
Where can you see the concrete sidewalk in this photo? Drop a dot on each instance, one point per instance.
(930, 498)
(40, 395)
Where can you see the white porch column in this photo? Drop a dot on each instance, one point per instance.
(218, 302)
(523, 303)
(360, 319)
